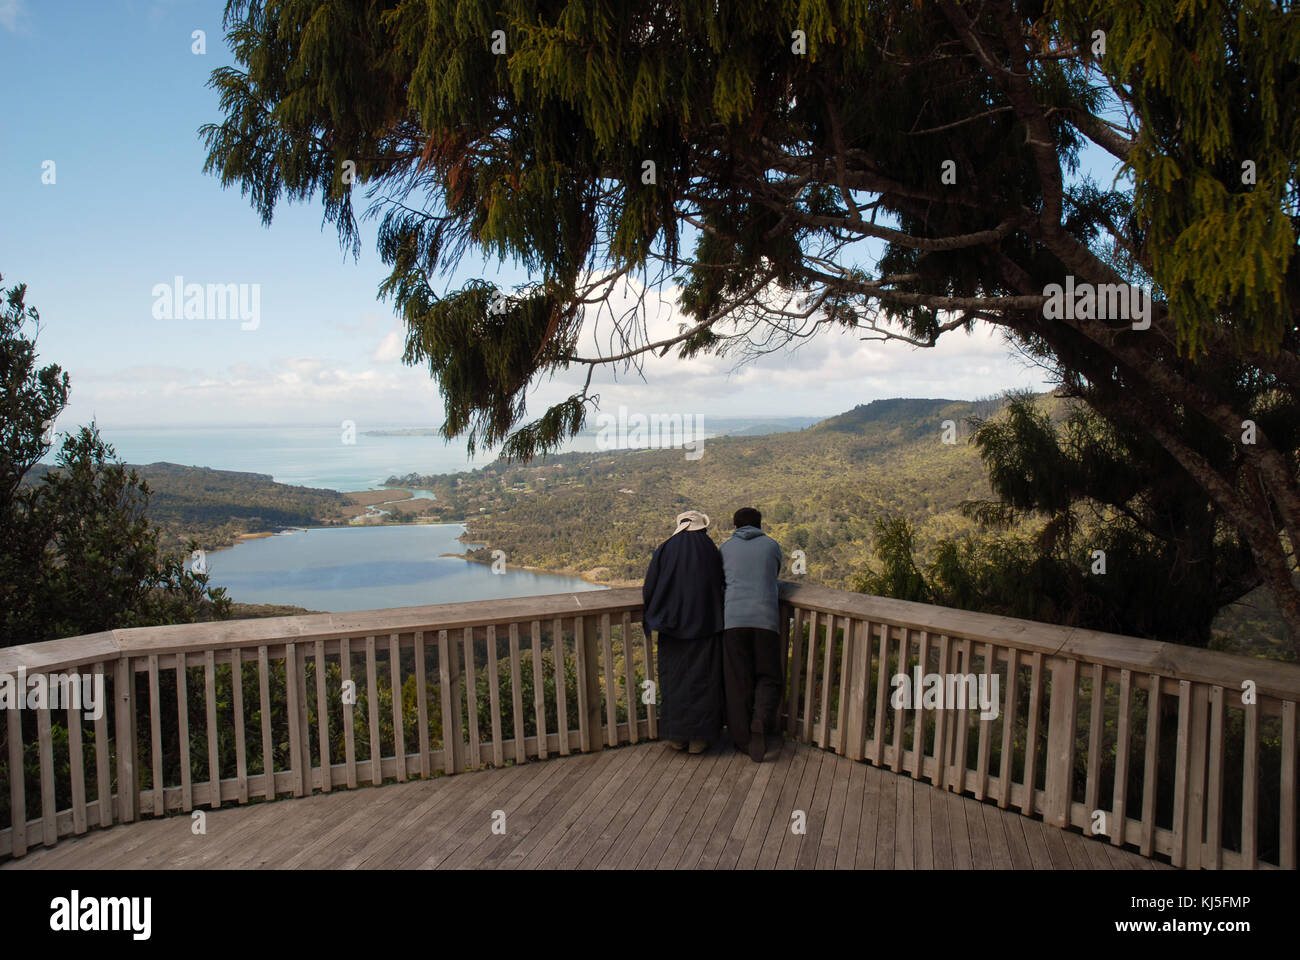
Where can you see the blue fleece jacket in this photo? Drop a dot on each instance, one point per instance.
(751, 562)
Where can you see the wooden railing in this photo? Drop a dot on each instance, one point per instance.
(343, 700)
(1073, 742)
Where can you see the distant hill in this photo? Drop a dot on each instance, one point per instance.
(216, 506)
(819, 489)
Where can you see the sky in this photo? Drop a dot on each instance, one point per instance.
(113, 94)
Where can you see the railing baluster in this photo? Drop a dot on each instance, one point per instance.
(304, 720)
(1031, 739)
(839, 741)
(183, 730)
(589, 684)
(1150, 764)
(1214, 795)
(155, 733)
(372, 695)
(1286, 827)
(123, 691)
(1009, 708)
(494, 694)
(1196, 776)
(610, 686)
(399, 733)
(517, 696)
(297, 748)
(795, 673)
(941, 748)
(322, 720)
(859, 680)
(268, 751)
(214, 753)
(809, 704)
(471, 693)
(918, 711)
(828, 667)
(584, 693)
(449, 677)
(539, 686)
(962, 724)
(1092, 789)
(422, 705)
(629, 678)
(103, 769)
(1250, 789)
(77, 770)
(986, 729)
(349, 710)
(1179, 855)
(1119, 800)
(241, 745)
(18, 786)
(900, 714)
(45, 744)
(561, 687)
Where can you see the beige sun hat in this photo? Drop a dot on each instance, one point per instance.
(692, 520)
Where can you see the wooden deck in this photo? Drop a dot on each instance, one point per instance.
(640, 806)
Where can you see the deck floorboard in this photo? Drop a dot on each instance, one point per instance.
(640, 806)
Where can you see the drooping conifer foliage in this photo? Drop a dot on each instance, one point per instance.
(897, 168)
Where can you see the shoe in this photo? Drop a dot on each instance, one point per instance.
(699, 746)
(757, 741)
(678, 745)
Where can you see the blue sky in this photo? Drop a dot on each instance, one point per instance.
(113, 94)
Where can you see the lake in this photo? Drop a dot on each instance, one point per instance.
(336, 569)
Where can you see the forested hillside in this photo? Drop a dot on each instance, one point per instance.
(215, 507)
(819, 490)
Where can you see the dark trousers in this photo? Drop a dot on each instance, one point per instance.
(753, 670)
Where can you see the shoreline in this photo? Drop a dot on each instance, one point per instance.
(584, 575)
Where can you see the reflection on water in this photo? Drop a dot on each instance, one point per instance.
(364, 568)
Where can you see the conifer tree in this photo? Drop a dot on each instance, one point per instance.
(894, 168)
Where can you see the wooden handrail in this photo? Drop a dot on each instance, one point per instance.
(477, 661)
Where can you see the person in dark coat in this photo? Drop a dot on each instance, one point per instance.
(683, 601)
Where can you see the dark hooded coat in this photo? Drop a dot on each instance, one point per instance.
(683, 602)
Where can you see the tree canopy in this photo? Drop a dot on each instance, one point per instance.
(898, 169)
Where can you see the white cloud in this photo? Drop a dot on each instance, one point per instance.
(827, 374)
(390, 348)
(9, 12)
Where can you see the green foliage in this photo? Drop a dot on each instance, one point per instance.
(1115, 545)
(79, 554)
(1216, 84)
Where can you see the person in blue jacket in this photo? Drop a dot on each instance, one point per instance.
(682, 598)
(753, 662)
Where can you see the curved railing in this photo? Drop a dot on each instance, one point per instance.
(1171, 750)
